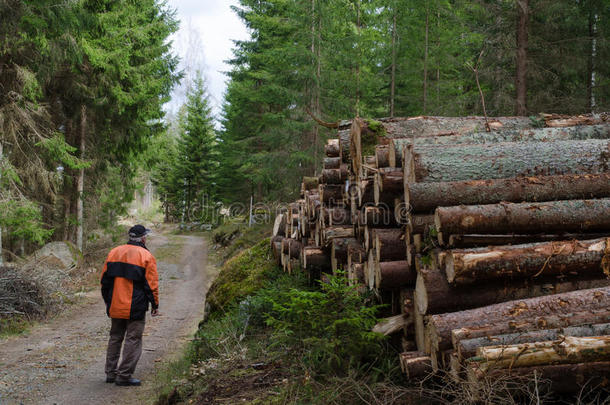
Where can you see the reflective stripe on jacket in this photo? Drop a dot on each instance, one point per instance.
(130, 281)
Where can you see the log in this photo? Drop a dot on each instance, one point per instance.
(357, 274)
(435, 295)
(334, 176)
(369, 271)
(391, 325)
(335, 216)
(276, 248)
(332, 162)
(481, 240)
(310, 183)
(420, 224)
(562, 120)
(565, 350)
(564, 378)
(313, 257)
(529, 260)
(506, 160)
(339, 251)
(331, 149)
(425, 197)
(331, 193)
(552, 321)
(439, 327)
(387, 185)
(344, 145)
(381, 156)
(332, 232)
(525, 218)
(415, 366)
(292, 248)
(389, 245)
(378, 216)
(279, 225)
(468, 347)
(393, 275)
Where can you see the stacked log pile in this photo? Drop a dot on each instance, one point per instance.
(492, 249)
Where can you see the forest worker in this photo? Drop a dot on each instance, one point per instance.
(129, 283)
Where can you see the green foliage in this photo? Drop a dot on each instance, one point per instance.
(333, 325)
(23, 219)
(61, 152)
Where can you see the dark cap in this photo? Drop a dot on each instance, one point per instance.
(138, 231)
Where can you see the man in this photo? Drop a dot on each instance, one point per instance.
(129, 283)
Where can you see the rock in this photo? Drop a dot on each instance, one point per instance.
(61, 255)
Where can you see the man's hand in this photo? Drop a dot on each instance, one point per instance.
(154, 312)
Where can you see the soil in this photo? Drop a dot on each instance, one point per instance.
(62, 361)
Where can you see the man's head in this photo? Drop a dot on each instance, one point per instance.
(137, 233)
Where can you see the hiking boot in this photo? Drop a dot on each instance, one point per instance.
(110, 379)
(132, 382)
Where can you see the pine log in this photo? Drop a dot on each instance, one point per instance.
(529, 260)
(439, 327)
(331, 193)
(381, 156)
(415, 367)
(292, 248)
(389, 245)
(551, 321)
(483, 240)
(425, 197)
(369, 273)
(378, 216)
(391, 325)
(387, 185)
(366, 192)
(357, 273)
(468, 347)
(313, 257)
(356, 253)
(276, 248)
(344, 145)
(332, 163)
(420, 223)
(339, 251)
(562, 120)
(335, 216)
(332, 148)
(565, 350)
(564, 378)
(339, 231)
(505, 160)
(435, 295)
(525, 218)
(421, 337)
(279, 225)
(310, 183)
(393, 275)
(334, 176)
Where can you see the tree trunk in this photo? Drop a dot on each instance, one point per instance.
(435, 295)
(521, 65)
(393, 70)
(420, 224)
(334, 176)
(475, 240)
(331, 149)
(505, 160)
(415, 364)
(566, 350)
(515, 312)
(525, 218)
(425, 197)
(583, 258)
(332, 163)
(564, 378)
(331, 193)
(393, 275)
(382, 156)
(80, 181)
(344, 145)
(313, 257)
(389, 245)
(468, 347)
(276, 248)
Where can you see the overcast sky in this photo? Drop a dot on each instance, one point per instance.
(204, 42)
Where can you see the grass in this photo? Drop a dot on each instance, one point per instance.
(14, 326)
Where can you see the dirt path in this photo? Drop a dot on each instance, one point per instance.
(62, 361)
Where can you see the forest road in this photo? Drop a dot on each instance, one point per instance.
(62, 361)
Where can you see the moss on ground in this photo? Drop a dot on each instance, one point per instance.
(241, 275)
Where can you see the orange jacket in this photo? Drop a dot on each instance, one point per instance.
(130, 281)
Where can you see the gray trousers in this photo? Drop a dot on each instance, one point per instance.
(130, 332)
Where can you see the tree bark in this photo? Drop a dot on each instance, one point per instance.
(339, 251)
(415, 366)
(514, 312)
(344, 145)
(566, 350)
(469, 241)
(533, 260)
(420, 223)
(332, 232)
(292, 248)
(525, 218)
(521, 65)
(506, 160)
(335, 216)
(468, 347)
(389, 244)
(331, 149)
(393, 275)
(310, 183)
(425, 197)
(331, 193)
(378, 217)
(80, 181)
(313, 257)
(332, 163)
(382, 156)
(435, 295)
(334, 176)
